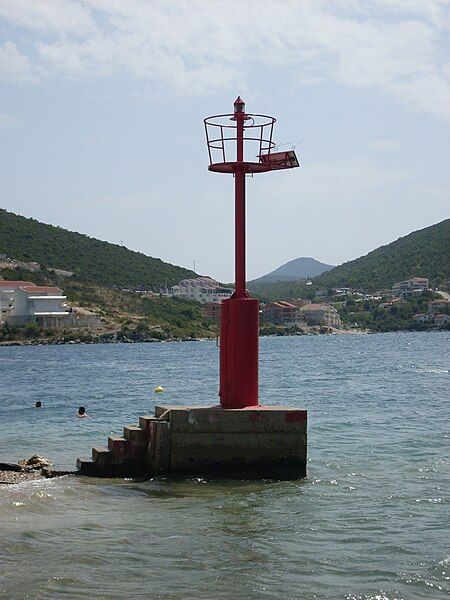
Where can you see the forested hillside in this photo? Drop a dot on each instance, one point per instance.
(90, 259)
(422, 253)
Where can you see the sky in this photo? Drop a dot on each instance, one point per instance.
(101, 132)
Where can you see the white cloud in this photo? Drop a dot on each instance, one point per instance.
(48, 16)
(192, 47)
(15, 66)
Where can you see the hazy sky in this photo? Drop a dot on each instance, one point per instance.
(101, 131)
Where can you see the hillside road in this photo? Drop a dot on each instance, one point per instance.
(443, 294)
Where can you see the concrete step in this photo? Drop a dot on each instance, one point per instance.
(92, 468)
(50, 472)
(145, 422)
(133, 433)
(101, 455)
(86, 466)
(117, 444)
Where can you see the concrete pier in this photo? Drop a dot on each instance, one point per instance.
(252, 443)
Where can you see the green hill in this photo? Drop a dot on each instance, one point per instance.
(422, 253)
(90, 259)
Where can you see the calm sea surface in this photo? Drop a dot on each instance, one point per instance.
(371, 520)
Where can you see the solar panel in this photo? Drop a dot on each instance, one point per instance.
(280, 160)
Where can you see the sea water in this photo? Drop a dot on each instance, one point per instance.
(370, 521)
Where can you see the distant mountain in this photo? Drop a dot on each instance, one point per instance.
(422, 253)
(299, 268)
(90, 259)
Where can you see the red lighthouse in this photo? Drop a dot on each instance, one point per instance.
(241, 144)
(267, 442)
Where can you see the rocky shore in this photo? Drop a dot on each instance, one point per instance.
(138, 337)
(35, 467)
(11, 477)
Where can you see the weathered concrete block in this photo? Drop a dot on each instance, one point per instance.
(250, 420)
(135, 450)
(50, 472)
(101, 455)
(117, 445)
(162, 447)
(158, 449)
(268, 442)
(127, 468)
(88, 467)
(134, 433)
(145, 422)
(270, 455)
(163, 411)
(262, 442)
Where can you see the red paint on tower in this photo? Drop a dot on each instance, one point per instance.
(239, 322)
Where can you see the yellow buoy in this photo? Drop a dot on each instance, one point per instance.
(158, 389)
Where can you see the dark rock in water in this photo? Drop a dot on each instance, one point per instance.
(10, 467)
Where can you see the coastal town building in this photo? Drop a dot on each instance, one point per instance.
(23, 302)
(201, 289)
(300, 313)
(8, 286)
(31, 303)
(436, 307)
(422, 318)
(213, 310)
(320, 314)
(281, 313)
(411, 287)
(441, 319)
(342, 291)
(7, 294)
(392, 302)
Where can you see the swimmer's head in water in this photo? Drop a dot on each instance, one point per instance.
(38, 404)
(81, 411)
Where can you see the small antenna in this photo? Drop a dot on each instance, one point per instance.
(292, 144)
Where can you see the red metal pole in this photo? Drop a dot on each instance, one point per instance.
(240, 314)
(239, 216)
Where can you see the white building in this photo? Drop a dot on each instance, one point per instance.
(23, 302)
(201, 289)
(436, 307)
(411, 287)
(320, 314)
(7, 294)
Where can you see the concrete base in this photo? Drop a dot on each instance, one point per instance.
(252, 443)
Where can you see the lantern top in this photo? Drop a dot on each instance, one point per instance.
(239, 105)
(221, 139)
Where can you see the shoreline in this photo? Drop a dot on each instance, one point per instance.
(100, 340)
(109, 339)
